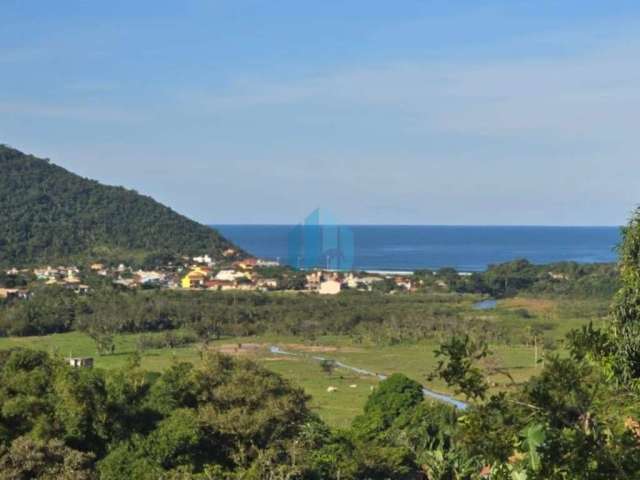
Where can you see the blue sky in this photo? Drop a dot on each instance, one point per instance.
(427, 112)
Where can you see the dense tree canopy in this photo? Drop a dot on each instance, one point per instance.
(60, 422)
(521, 276)
(383, 319)
(625, 331)
(48, 213)
(225, 419)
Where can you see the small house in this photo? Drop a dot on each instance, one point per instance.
(203, 259)
(313, 280)
(150, 277)
(267, 283)
(330, 287)
(404, 283)
(231, 275)
(247, 263)
(195, 278)
(9, 293)
(559, 276)
(81, 362)
(267, 263)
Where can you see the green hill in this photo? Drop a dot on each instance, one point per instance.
(48, 214)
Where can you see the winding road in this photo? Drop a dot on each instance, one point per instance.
(427, 393)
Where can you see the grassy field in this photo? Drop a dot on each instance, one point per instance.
(554, 318)
(337, 408)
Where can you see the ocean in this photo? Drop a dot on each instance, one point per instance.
(465, 248)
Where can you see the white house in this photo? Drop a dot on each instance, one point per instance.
(267, 263)
(150, 276)
(330, 287)
(81, 362)
(351, 280)
(206, 259)
(558, 276)
(229, 275)
(267, 283)
(46, 273)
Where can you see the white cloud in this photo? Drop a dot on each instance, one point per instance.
(594, 93)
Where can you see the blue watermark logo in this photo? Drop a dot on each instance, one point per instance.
(321, 243)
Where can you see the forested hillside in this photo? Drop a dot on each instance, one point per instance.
(48, 213)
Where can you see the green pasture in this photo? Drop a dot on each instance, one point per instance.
(550, 320)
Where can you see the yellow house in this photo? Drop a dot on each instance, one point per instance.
(195, 278)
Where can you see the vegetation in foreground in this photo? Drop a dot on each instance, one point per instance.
(226, 418)
(230, 418)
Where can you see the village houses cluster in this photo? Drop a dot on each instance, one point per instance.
(67, 276)
(203, 273)
(240, 275)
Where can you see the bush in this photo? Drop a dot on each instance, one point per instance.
(394, 396)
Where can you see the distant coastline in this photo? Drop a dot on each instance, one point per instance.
(393, 249)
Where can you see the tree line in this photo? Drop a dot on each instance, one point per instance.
(365, 316)
(520, 276)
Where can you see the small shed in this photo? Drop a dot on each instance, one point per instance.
(81, 362)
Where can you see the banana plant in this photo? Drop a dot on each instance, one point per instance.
(533, 437)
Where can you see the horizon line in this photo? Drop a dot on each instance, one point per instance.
(469, 225)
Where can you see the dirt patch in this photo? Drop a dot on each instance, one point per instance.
(299, 347)
(280, 359)
(534, 305)
(309, 348)
(237, 349)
